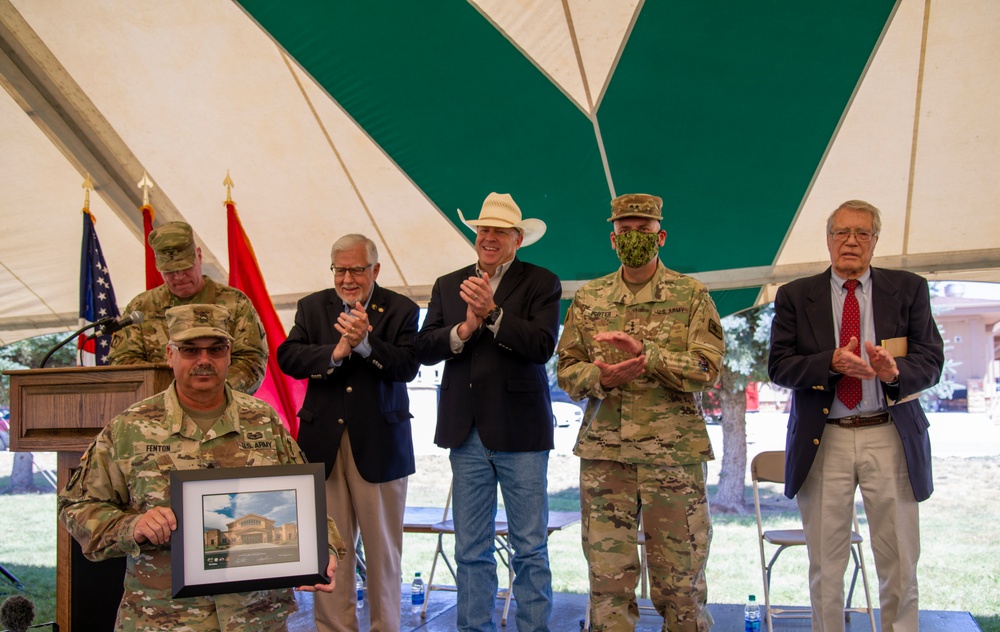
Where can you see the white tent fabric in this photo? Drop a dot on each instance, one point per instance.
(194, 89)
(921, 136)
(190, 89)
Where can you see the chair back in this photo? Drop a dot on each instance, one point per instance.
(768, 467)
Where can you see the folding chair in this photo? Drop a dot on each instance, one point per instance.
(501, 546)
(769, 467)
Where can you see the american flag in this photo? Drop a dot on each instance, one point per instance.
(97, 296)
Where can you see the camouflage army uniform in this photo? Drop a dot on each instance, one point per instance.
(126, 473)
(644, 443)
(147, 343)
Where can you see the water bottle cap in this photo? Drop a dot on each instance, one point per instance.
(417, 574)
(753, 598)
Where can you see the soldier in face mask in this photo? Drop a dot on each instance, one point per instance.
(637, 344)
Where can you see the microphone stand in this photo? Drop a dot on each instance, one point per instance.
(13, 580)
(76, 333)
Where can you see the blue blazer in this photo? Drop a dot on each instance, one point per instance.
(368, 396)
(497, 383)
(802, 344)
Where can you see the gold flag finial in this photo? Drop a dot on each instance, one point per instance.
(146, 185)
(228, 183)
(88, 186)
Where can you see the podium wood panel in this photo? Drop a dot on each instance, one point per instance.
(62, 410)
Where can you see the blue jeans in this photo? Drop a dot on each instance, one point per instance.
(522, 477)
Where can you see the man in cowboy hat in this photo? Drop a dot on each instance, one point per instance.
(496, 324)
(179, 261)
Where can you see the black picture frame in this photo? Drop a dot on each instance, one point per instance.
(254, 552)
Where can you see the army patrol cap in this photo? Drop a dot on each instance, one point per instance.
(198, 320)
(173, 244)
(636, 205)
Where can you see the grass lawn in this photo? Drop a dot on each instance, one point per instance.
(959, 563)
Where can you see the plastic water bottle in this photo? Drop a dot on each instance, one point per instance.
(751, 615)
(359, 584)
(417, 593)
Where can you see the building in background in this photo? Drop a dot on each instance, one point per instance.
(969, 317)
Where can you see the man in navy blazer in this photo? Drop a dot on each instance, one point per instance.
(495, 325)
(880, 443)
(355, 344)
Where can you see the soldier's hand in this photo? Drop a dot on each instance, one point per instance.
(845, 362)
(613, 375)
(155, 526)
(331, 571)
(620, 340)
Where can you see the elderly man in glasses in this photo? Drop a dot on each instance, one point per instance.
(179, 261)
(355, 345)
(856, 345)
(117, 504)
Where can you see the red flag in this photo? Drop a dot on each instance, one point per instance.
(153, 277)
(283, 393)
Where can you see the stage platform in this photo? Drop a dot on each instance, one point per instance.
(568, 612)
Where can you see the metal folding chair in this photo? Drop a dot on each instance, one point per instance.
(769, 467)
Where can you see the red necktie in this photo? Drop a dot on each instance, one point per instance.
(849, 388)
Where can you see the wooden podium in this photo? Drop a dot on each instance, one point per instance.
(62, 410)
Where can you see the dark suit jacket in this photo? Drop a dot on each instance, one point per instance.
(499, 383)
(802, 344)
(366, 395)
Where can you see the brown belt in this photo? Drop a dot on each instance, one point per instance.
(857, 421)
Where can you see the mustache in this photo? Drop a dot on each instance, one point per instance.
(204, 369)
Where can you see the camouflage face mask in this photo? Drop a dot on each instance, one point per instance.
(636, 249)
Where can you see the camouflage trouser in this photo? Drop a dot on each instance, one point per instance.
(678, 532)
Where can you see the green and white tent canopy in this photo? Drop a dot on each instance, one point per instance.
(752, 120)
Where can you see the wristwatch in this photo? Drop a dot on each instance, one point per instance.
(493, 316)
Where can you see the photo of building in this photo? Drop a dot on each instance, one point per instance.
(250, 529)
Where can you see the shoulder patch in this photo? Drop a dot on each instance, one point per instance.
(715, 329)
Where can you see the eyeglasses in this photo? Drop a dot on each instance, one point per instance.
(191, 352)
(863, 236)
(355, 272)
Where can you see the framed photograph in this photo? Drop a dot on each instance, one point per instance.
(248, 528)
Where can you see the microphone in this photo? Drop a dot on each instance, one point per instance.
(110, 325)
(102, 327)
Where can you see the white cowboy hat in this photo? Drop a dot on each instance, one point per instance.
(500, 211)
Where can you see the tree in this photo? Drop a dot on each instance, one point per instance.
(747, 338)
(26, 354)
(945, 388)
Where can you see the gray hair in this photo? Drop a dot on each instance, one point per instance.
(858, 205)
(352, 241)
